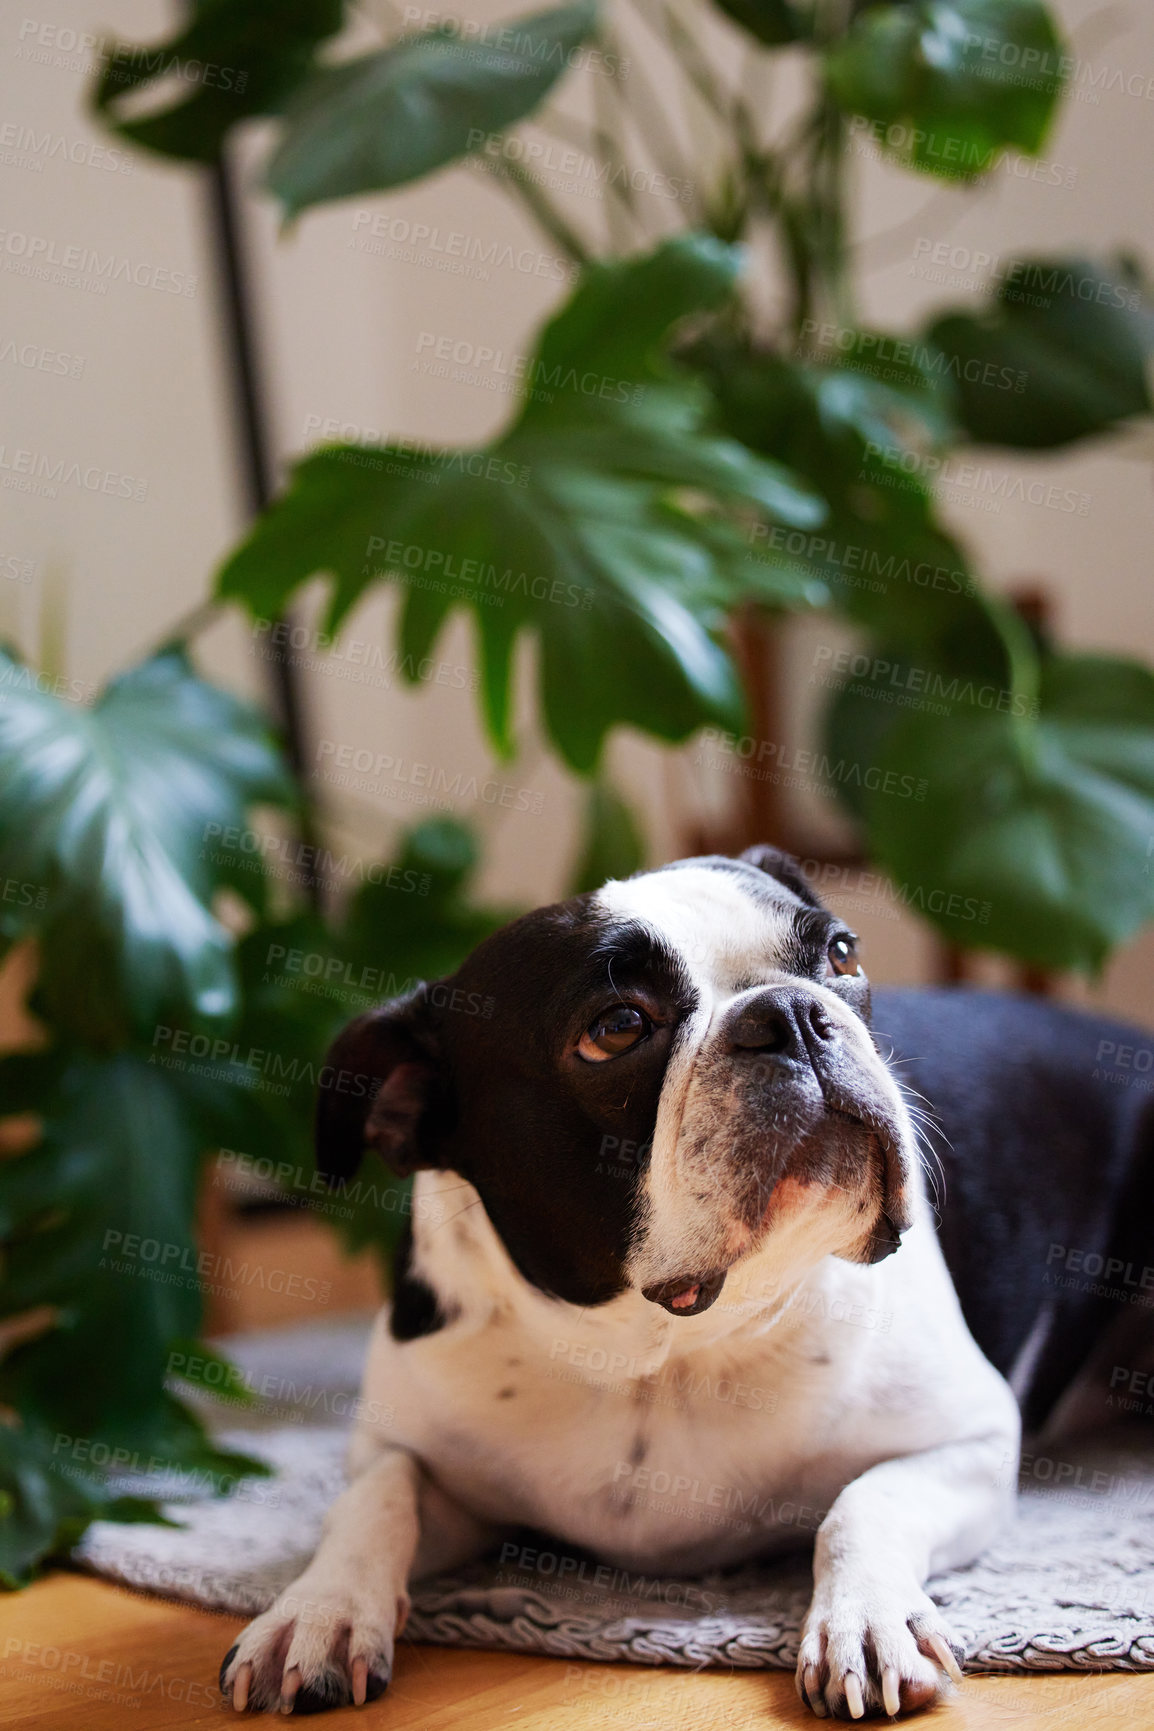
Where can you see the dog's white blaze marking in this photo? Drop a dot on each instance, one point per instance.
(726, 937)
(716, 927)
(721, 934)
(729, 940)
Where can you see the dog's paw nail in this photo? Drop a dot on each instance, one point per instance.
(891, 1692)
(240, 1687)
(360, 1681)
(224, 1665)
(289, 1689)
(853, 1696)
(944, 1655)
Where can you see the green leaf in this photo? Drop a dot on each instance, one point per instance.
(390, 117)
(414, 919)
(603, 521)
(50, 1491)
(950, 83)
(43, 1509)
(887, 565)
(772, 22)
(880, 556)
(96, 1236)
(234, 59)
(831, 418)
(419, 920)
(612, 845)
(96, 1222)
(1033, 836)
(107, 823)
(194, 1363)
(928, 648)
(1061, 354)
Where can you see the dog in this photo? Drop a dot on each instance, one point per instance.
(652, 1124)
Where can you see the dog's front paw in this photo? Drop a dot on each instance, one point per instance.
(874, 1649)
(314, 1650)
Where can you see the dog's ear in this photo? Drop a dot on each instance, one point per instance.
(785, 869)
(380, 1088)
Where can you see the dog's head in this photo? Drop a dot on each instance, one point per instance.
(645, 1085)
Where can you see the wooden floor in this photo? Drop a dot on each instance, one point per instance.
(78, 1652)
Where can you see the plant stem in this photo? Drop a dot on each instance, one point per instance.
(598, 145)
(800, 260)
(665, 29)
(616, 229)
(655, 132)
(1025, 670)
(538, 203)
(593, 141)
(697, 68)
(829, 171)
(192, 623)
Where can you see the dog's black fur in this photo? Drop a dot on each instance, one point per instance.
(1039, 1150)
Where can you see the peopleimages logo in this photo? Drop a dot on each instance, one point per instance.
(566, 169)
(358, 768)
(406, 558)
(35, 254)
(897, 677)
(830, 560)
(36, 357)
(24, 147)
(454, 250)
(528, 368)
(878, 353)
(244, 1065)
(1023, 278)
(206, 1271)
(48, 44)
(40, 472)
(530, 50)
(294, 860)
(803, 768)
(964, 482)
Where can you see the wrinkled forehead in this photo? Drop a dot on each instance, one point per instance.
(725, 922)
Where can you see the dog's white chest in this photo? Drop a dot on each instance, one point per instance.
(682, 1461)
(671, 1443)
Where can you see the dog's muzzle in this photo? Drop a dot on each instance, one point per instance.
(808, 1104)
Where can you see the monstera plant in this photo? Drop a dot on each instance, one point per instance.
(741, 447)
(691, 442)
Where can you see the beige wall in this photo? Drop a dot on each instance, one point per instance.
(106, 576)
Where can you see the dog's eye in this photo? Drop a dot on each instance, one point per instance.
(842, 954)
(613, 1032)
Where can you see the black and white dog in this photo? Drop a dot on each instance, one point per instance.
(675, 1146)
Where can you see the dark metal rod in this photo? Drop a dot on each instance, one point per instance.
(253, 447)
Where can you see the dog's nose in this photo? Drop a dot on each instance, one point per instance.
(779, 1023)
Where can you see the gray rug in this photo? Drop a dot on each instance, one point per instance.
(1069, 1586)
